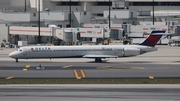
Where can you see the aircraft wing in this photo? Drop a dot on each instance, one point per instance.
(99, 56)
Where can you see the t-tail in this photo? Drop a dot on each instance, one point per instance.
(153, 38)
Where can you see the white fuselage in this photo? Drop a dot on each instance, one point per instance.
(99, 51)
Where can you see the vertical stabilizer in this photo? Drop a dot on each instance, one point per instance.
(153, 38)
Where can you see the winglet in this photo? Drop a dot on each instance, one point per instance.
(153, 38)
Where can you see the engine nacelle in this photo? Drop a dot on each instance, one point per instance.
(131, 52)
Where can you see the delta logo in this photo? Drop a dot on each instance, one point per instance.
(32, 49)
(40, 49)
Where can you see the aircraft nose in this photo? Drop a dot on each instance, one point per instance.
(12, 55)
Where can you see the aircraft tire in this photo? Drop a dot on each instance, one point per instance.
(17, 60)
(98, 60)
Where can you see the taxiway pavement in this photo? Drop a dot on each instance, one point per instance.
(101, 92)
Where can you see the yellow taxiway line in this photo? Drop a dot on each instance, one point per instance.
(75, 73)
(10, 77)
(83, 74)
(26, 67)
(67, 66)
(118, 68)
(79, 74)
(151, 77)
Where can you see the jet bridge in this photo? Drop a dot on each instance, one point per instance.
(66, 34)
(18, 30)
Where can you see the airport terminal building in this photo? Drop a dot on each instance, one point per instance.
(19, 18)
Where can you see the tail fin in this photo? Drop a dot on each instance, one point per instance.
(153, 38)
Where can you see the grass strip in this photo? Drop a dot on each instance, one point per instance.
(90, 81)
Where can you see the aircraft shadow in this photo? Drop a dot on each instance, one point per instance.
(103, 61)
(139, 62)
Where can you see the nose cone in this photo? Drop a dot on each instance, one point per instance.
(12, 55)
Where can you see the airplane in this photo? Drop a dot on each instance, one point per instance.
(98, 52)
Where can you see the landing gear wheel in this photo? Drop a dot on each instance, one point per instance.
(98, 60)
(17, 60)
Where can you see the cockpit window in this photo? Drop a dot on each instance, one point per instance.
(19, 49)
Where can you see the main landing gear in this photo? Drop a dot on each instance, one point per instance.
(98, 60)
(17, 60)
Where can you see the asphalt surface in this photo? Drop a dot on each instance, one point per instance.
(91, 70)
(107, 92)
(162, 63)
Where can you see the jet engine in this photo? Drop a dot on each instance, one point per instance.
(127, 52)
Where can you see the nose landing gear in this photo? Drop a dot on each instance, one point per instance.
(17, 60)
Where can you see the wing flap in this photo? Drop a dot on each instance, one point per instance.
(99, 56)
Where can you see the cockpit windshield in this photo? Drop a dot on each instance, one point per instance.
(19, 49)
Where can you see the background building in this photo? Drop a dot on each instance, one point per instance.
(129, 15)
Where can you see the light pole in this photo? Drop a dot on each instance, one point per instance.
(25, 6)
(69, 13)
(109, 15)
(153, 11)
(39, 29)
